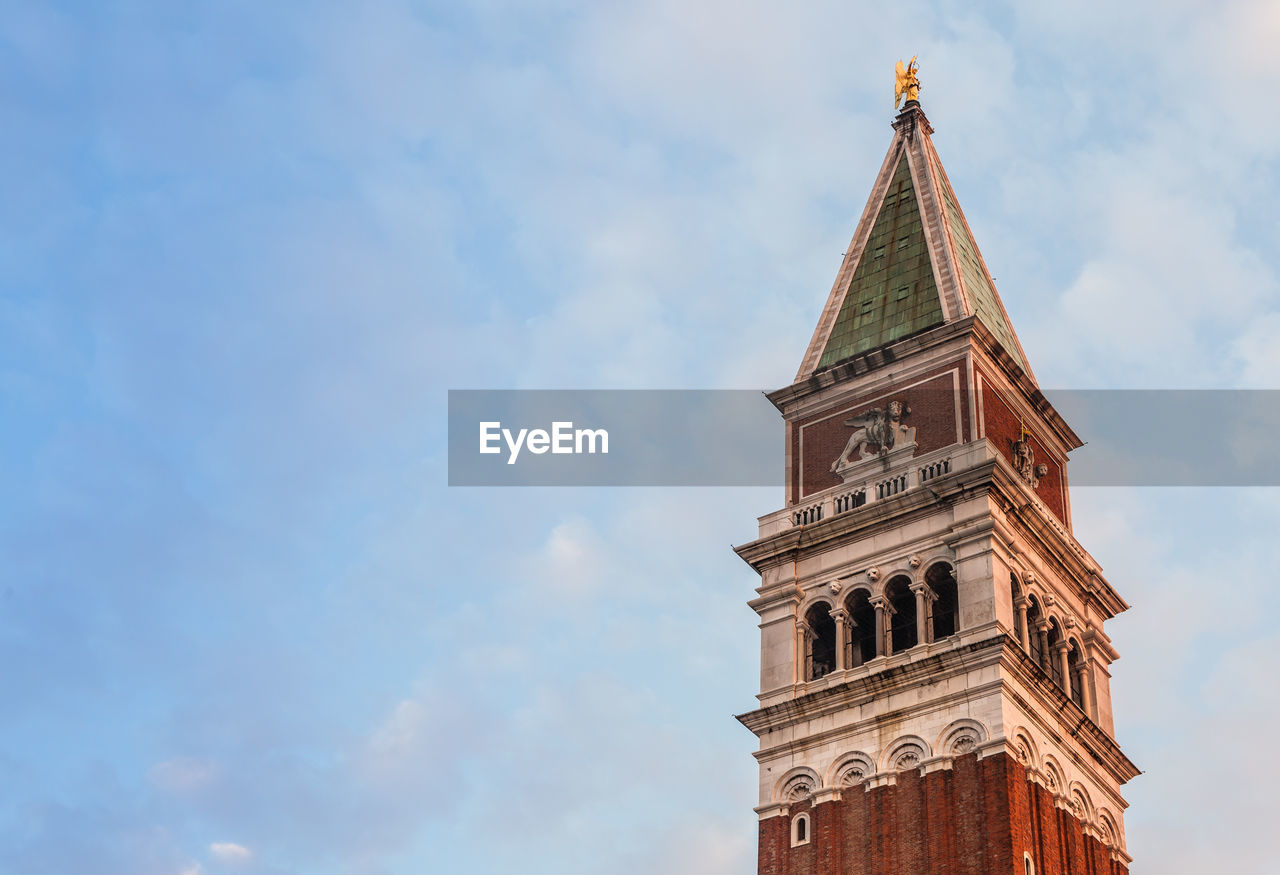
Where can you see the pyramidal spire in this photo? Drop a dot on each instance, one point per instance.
(913, 263)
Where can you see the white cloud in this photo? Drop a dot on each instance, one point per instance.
(1190, 680)
(402, 732)
(1258, 350)
(1168, 288)
(184, 774)
(570, 561)
(410, 761)
(230, 852)
(706, 846)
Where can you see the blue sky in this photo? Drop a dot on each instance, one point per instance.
(245, 250)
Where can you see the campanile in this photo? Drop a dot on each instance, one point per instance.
(934, 678)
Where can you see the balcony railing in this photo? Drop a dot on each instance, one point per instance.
(935, 469)
(895, 484)
(806, 515)
(880, 486)
(849, 500)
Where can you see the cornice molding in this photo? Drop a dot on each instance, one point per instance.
(1021, 680)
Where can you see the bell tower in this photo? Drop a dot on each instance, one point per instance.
(934, 679)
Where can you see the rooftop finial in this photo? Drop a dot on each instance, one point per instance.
(906, 82)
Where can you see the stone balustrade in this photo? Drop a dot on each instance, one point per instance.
(877, 486)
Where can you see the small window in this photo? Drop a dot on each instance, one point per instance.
(800, 830)
(1027, 866)
(879, 252)
(903, 243)
(904, 292)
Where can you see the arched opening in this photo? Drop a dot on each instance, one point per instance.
(946, 607)
(1075, 669)
(800, 830)
(1055, 662)
(862, 640)
(821, 656)
(1019, 602)
(1034, 619)
(902, 623)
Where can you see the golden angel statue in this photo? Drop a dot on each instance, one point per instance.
(906, 82)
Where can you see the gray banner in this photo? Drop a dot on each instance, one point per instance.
(735, 437)
(652, 438)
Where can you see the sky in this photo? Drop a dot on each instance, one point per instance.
(246, 249)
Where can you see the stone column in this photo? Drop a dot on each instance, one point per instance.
(1042, 629)
(855, 647)
(1064, 665)
(1086, 689)
(841, 617)
(804, 651)
(1079, 683)
(1020, 605)
(924, 612)
(884, 639)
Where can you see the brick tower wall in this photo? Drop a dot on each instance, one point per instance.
(976, 818)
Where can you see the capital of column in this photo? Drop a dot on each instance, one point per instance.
(923, 589)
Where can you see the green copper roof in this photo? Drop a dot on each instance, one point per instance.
(982, 295)
(892, 294)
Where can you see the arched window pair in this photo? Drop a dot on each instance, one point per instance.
(1059, 656)
(863, 627)
(922, 613)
